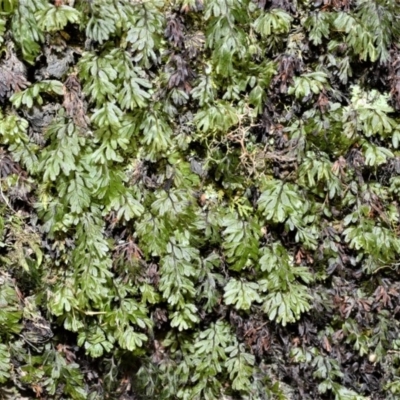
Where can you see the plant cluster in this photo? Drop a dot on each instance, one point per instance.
(199, 199)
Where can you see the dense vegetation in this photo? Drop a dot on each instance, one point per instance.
(200, 199)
